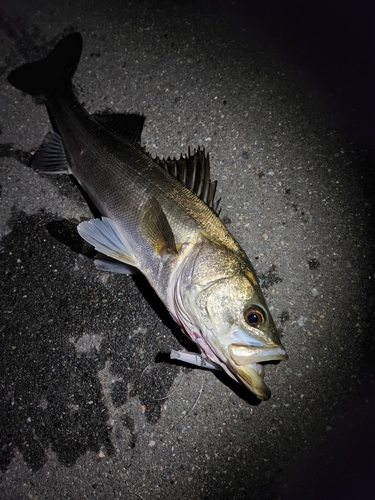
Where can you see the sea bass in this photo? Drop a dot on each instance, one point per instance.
(158, 217)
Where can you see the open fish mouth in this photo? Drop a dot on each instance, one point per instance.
(248, 367)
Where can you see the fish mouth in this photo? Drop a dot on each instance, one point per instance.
(245, 354)
(248, 368)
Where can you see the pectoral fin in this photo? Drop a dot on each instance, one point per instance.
(105, 236)
(156, 230)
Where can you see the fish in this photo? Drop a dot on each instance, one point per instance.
(158, 217)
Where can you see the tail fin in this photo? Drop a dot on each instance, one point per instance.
(53, 72)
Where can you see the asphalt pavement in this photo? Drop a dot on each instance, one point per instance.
(91, 407)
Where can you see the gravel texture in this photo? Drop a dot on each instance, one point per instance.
(90, 406)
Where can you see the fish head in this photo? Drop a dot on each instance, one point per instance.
(223, 310)
(240, 329)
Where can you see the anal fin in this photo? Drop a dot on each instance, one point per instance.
(52, 158)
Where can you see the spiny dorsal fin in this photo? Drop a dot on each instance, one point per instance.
(193, 171)
(127, 126)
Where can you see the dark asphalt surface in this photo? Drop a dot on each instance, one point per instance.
(283, 101)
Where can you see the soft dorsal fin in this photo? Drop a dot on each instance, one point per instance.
(193, 171)
(127, 126)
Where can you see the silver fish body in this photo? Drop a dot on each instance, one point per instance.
(158, 218)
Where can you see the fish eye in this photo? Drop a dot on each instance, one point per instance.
(254, 316)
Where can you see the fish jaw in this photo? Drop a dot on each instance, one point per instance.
(251, 377)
